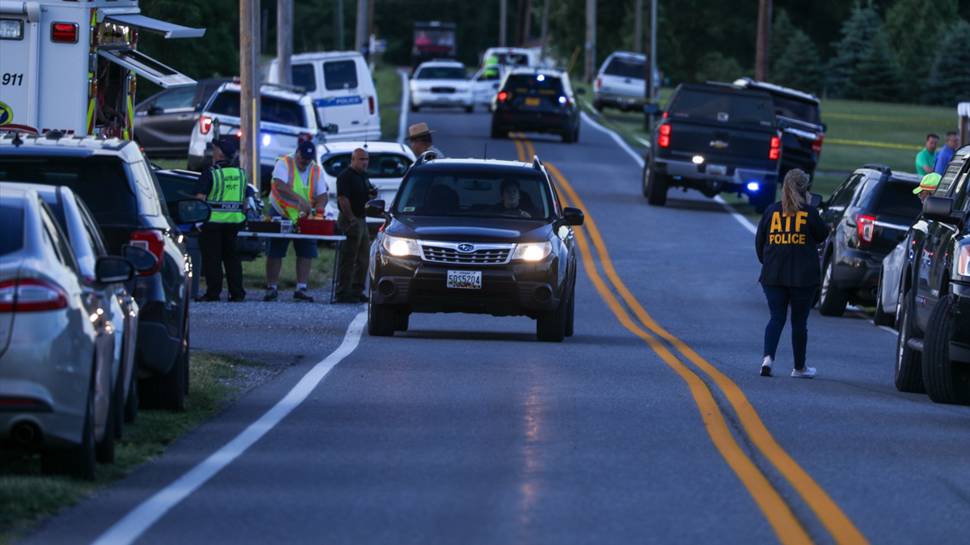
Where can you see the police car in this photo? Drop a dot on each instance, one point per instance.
(389, 161)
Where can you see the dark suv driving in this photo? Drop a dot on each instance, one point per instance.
(476, 236)
(534, 100)
(868, 215)
(933, 348)
(116, 182)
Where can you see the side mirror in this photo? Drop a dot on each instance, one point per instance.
(814, 200)
(110, 269)
(331, 128)
(191, 211)
(581, 91)
(374, 208)
(140, 258)
(941, 209)
(573, 216)
(651, 108)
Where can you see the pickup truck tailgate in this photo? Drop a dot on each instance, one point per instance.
(719, 144)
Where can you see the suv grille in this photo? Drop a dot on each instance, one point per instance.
(482, 254)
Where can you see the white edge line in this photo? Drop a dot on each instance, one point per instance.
(140, 519)
(405, 104)
(888, 329)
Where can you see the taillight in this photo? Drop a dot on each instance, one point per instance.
(599, 84)
(666, 115)
(154, 243)
(817, 144)
(205, 124)
(664, 139)
(774, 152)
(370, 104)
(502, 96)
(866, 227)
(31, 295)
(64, 33)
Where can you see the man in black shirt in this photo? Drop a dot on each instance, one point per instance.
(353, 191)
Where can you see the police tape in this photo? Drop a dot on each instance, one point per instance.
(871, 144)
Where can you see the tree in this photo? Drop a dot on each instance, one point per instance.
(877, 75)
(914, 28)
(857, 32)
(714, 66)
(798, 64)
(782, 31)
(949, 79)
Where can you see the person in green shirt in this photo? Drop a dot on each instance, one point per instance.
(926, 158)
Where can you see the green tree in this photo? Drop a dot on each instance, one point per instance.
(782, 32)
(915, 28)
(216, 53)
(798, 64)
(857, 32)
(714, 66)
(949, 79)
(876, 77)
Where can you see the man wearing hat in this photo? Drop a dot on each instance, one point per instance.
(298, 190)
(223, 186)
(927, 186)
(419, 138)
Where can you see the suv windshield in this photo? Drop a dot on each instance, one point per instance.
(102, 182)
(797, 109)
(512, 59)
(381, 165)
(272, 109)
(483, 194)
(441, 72)
(626, 67)
(12, 227)
(724, 107)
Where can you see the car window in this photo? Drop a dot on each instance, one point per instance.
(626, 67)
(57, 239)
(180, 97)
(147, 192)
(272, 109)
(513, 59)
(896, 199)
(303, 75)
(91, 226)
(12, 227)
(474, 194)
(101, 182)
(175, 187)
(440, 72)
(796, 109)
(723, 107)
(961, 192)
(528, 84)
(340, 75)
(844, 194)
(381, 165)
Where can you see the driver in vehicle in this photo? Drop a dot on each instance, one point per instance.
(512, 201)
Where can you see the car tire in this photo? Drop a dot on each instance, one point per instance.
(79, 461)
(598, 106)
(881, 317)
(131, 404)
(567, 137)
(654, 185)
(403, 320)
(167, 392)
(908, 375)
(104, 450)
(469, 109)
(832, 301)
(551, 325)
(415, 107)
(498, 133)
(571, 312)
(118, 407)
(381, 320)
(945, 382)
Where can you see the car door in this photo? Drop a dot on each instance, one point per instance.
(937, 258)
(485, 85)
(340, 101)
(164, 123)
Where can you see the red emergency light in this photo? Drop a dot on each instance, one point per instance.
(64, 33)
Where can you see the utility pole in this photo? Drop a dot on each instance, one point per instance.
(503, 6)
(338, 24)
(638, 26)
(650, 92)
(249, 88)
(284, 40)
(589, 68)
(545, 28)
(360, 35)
(526, 24)
(762, 60)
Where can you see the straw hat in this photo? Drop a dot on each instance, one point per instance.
(418, 130)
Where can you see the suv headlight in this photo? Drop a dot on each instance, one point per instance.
(961, 261)
(532, 251)
(400, 246)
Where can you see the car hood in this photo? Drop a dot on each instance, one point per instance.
(467, 229)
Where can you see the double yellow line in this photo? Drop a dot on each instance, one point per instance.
(779, 514)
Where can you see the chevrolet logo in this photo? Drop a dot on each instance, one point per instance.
(719, 144)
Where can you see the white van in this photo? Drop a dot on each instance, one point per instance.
(342, 89)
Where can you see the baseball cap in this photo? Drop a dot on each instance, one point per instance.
(229, 144)
(929, 183)
(306, 149)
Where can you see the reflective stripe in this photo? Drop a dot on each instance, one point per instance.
(91, 116)
(289, 210)
(227, 195)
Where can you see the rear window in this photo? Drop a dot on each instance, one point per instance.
(897, 199)
(272, 109)
(797, 109)
(626, 67)
(12, 227)
(474, 194)
(512, 59)
(723, 107)
(102, 183)
(340, 75)
(381, 165)
(441, 72)
(303, 76)
(534, 85)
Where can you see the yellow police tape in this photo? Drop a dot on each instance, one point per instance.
(870, 144)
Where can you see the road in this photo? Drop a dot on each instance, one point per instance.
(651, 425)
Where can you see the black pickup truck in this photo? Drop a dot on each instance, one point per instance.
(715, 138)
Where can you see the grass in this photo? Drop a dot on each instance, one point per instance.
(254, 272)
(27, 495)
(388, 84)
(171, 163)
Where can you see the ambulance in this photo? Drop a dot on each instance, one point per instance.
(70, 65)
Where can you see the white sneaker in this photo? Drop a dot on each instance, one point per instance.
(766, 367)
(807, 372)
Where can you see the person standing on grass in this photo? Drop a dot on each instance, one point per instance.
(926, 158)
(946, 154)
(787, 246)
(353, 191)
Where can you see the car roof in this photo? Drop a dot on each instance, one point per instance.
(776, 89)
(441, 63)
(17, 191)
(382, 147)
(324, 56)
(724, 88)
(532, 71)
(55, 144)
(894, 176)
(634, 54)
(266, 89)
(485, 165)
(504, 49)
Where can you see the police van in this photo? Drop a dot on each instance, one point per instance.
(70, 66)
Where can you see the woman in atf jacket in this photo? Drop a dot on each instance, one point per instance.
(787, 245)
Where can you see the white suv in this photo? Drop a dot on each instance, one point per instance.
(619, 82)
(441, 83)
(389, 161)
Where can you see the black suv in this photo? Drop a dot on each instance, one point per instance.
(868, 215)
(933, 348)
(116, 182)
(798, 115)
(476, 236)
(534, 100)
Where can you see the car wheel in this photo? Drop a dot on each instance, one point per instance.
(832, 300)
(654, 185)
(415, 107)
(567, 136)
(551, 325)
(118, 407)
(131, 405)
(571, 312)
(944, 381)
(908, 376)
(403, 320)
(598, 106)
(881, 317)
(105, 448)
(381, 320)
(499, 133)
(469, 109)
(79, 461)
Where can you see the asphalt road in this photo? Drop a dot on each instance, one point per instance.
(467, 430)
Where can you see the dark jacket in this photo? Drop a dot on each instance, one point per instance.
(788, 247)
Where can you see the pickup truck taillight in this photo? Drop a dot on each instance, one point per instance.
(774, 151)
(31, 295)
(817, 144)
(154, 243)
(866, 227)
(664, 139)
(205, 124)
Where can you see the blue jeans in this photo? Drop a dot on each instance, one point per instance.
(779, 299)
(277, 246)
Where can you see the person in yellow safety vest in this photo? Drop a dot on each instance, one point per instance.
(298, 190)
(491, 67)
(223, 187)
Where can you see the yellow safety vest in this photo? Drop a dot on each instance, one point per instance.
(290, 209)
(227, 195)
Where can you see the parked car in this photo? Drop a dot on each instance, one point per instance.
(389, 161)
(798, 115)
(485, 84)
(456, 239)
(715, 138)
(933, 346)
(285, 115)
(57, 341)
(620, 82)
(890, 278)
(342, 90)
(536, 100)
(164, 121)
(868, 215)
(116, 183)
(441, 84)
(514, 57)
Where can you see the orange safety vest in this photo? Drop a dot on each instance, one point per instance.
(290, 209)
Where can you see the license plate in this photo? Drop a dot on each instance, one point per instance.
(717, 170)
(532, 102)
(465, 280)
